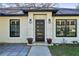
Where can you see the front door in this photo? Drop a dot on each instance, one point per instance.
(40, 30)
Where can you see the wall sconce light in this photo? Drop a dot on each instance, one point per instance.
(49, 20)
(30, 21)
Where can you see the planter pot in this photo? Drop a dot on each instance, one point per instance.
(30, 40)
(49, 40)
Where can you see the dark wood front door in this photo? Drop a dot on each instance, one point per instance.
(40, 30)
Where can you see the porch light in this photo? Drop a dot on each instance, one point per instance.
(30, 21)
(49, 20)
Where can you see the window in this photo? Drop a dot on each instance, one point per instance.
(66, 27)
(71, 28)
(60, 28)
(14, 28)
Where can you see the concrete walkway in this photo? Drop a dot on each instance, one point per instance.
(39, 51)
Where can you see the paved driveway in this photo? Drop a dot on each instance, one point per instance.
(39, 51)
(14, 49)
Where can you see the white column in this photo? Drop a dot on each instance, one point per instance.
(49, 25)
(30, 26)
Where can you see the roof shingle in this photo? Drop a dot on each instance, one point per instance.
(22, 11)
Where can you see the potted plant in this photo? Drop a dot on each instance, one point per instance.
(30, 40)
(49, 40)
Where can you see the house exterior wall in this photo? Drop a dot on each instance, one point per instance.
(27, 29)
(5, 30)
(67, 39)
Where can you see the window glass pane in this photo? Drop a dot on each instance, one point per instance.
(62, 22)
(14, 28)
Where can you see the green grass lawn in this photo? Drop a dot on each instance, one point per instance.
(64, 50)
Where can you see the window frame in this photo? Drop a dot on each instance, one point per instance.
(14, 24)
(65, 34)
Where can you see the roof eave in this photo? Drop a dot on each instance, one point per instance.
(65, 15)
(14, 15)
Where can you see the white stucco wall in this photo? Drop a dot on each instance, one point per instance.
(4, 30)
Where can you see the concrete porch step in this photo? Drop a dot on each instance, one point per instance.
(40, 44)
